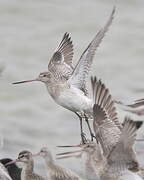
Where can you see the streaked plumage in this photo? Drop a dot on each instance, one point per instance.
(60, 64)
(13, 170)
(55, 172)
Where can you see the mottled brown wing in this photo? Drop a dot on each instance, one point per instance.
(64, 52)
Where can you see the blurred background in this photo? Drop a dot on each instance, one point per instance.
(30, 31)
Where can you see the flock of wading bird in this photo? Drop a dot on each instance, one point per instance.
(109, 153)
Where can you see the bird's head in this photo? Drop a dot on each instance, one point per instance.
(24, 156)
(45, 77)
(45, 153)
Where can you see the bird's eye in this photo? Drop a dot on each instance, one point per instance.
(44, 75)
(22, 156)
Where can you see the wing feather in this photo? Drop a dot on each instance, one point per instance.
(122, 155)
(61, 62)
(106, 125)
(81, 71)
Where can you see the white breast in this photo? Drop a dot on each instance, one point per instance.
(75, 100)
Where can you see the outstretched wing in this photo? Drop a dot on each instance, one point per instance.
(81, 71)
(122, 156)
(61, 61)
(106, 124)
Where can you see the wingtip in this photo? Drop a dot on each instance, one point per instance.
(139, 124)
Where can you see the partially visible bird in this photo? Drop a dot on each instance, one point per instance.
(136, 107)
(13, 170)
(92, 157)
(26, 158)
(55, 172)
(121, 161)
(66, 85)
(4, 175)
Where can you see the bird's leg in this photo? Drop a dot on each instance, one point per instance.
(83, 138)
(91, 133)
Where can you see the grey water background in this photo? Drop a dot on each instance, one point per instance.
(30, 30)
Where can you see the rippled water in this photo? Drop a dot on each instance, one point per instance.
(30, 31)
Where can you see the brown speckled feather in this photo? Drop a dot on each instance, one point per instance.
(61, 62)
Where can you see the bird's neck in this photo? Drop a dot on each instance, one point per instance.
(49, 161)
(56, 88)
(50, 164)
(27, 169)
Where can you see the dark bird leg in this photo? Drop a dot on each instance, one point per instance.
(83, 138)
(90, 130)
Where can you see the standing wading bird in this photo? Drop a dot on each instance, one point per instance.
(13, 170)
(67, 85)
(27, 173)
(56, 172)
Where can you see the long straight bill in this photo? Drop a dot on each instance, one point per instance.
(70, 152)
(20, 82)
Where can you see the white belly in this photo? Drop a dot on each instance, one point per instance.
(75, 100)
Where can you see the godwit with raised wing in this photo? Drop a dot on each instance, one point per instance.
(27, 173)
(66, 85)
(56, 172)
